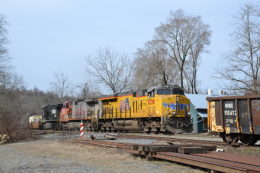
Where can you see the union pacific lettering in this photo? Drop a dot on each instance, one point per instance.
(173, 106)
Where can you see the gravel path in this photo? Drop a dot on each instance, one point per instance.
(54, 153)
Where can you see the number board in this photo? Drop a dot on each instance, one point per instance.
(230, 114)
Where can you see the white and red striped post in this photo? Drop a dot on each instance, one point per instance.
(81, 129)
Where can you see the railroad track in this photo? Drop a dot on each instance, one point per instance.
(170, 139)
(183, 140)
(165, 138)
(214, 161)
(159, 138)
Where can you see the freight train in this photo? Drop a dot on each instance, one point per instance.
(235, 118)
(157, 109)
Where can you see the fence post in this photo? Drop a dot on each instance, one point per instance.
(81, 129)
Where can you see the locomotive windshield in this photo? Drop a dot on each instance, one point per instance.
(164, 91)
(169, 91)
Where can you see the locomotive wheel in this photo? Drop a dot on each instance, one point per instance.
(147, 130)
(141, 127)
(157, 131)
(166, 132)
(248, 139)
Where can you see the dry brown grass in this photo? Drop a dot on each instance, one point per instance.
(108, 160)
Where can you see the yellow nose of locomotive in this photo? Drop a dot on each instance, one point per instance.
(175, 106)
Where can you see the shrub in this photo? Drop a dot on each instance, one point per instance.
(13, 121)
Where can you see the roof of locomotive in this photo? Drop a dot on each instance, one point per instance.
(87, 100)
(91, 100)
(163, 87)
(57, 106)
(116, 95)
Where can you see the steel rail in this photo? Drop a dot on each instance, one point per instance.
(224, 162)
(184, 140)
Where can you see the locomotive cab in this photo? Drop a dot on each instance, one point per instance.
(170, 100)
(66, 111)
(50, 116)
(172, 106)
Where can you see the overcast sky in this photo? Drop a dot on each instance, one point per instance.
(48, 36)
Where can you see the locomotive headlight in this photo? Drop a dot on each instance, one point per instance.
(177, 98)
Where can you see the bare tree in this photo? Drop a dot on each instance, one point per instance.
(243, 62)
(153, 66)
(111, 69)
(84, 90)
(195, 52)
(4, 59)
(13, 119)
(3, 40)
(87, 91)
(61, 86)
(184, 37)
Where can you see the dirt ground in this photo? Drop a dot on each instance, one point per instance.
(56, 153)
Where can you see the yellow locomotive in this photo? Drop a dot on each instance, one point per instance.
(157, 109)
